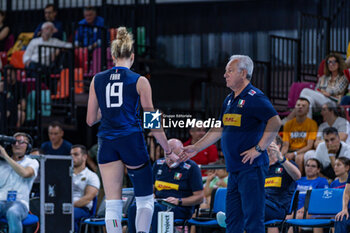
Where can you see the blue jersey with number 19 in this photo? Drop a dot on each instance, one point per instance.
(119, 102)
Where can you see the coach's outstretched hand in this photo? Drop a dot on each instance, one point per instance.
(188, 152)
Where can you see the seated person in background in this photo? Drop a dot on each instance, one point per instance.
(50, 13)
(57, 145)
(331, 119)
(85, 185)
(312, 180)
(17, 175)
(88, 36)
(299, 134)
(4, 30)
(279, 183)
(206, 156)
(331, 86)
(182, 186)
(15, 98)
(341, 169)
(329, 150)
(31, 55)
(342, 223)
(216, 179)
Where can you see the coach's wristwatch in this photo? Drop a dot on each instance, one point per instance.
(180, 202)
(258, 149)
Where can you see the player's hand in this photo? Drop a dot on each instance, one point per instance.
(249, 155)
(188, 152)
(341, 215)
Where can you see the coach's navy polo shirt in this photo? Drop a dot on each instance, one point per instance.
(244, 119)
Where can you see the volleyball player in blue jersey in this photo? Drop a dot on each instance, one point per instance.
(114, 99)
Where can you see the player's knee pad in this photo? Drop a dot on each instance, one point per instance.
(145, 202)
(142, 180)
(114, 209)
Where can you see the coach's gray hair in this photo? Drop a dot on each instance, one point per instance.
(244, 63)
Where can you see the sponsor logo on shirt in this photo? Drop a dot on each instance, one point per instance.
(187, 166)
(273, 182)
(232, 119)
(162, 185)
(160, 162)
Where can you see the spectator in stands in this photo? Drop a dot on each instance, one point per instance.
(15, 98)
(4, 30)
(331, 119)
(341, 169)
(86, 35)
(342, 222)
(206, 156)
(312, 180)
(17, 174)
(214, 180)
(85, 185)
(182, 186)
(329, 150)
(331, 86)
(57, 145)
(50, 13)
(299, 134)
(31, 55)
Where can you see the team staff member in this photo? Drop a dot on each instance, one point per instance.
(181, 186)
(250, 124)
(114, 99)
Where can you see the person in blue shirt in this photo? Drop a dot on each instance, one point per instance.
(56, 145)
(182, 186)
(114, 101)
(89, 31)
(342, 223)
(341, 170)
(50, 13)
(249, 125)
(312, 180)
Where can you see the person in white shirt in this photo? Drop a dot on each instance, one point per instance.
(331, 119)
(17, 176)
(329, 150)
(31, 55)
(85, 185)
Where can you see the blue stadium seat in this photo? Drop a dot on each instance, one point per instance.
(318, 203)
(219, 205)
(31, 219)
(292, 208)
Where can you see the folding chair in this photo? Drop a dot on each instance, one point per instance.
(219, 205)
(319, 203)
(30, 220)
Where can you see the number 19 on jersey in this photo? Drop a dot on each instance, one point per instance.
(114, 90)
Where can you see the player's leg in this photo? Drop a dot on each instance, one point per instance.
(136, 159)
(112, 171)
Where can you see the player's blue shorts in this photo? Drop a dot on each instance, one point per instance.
(130, 149)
